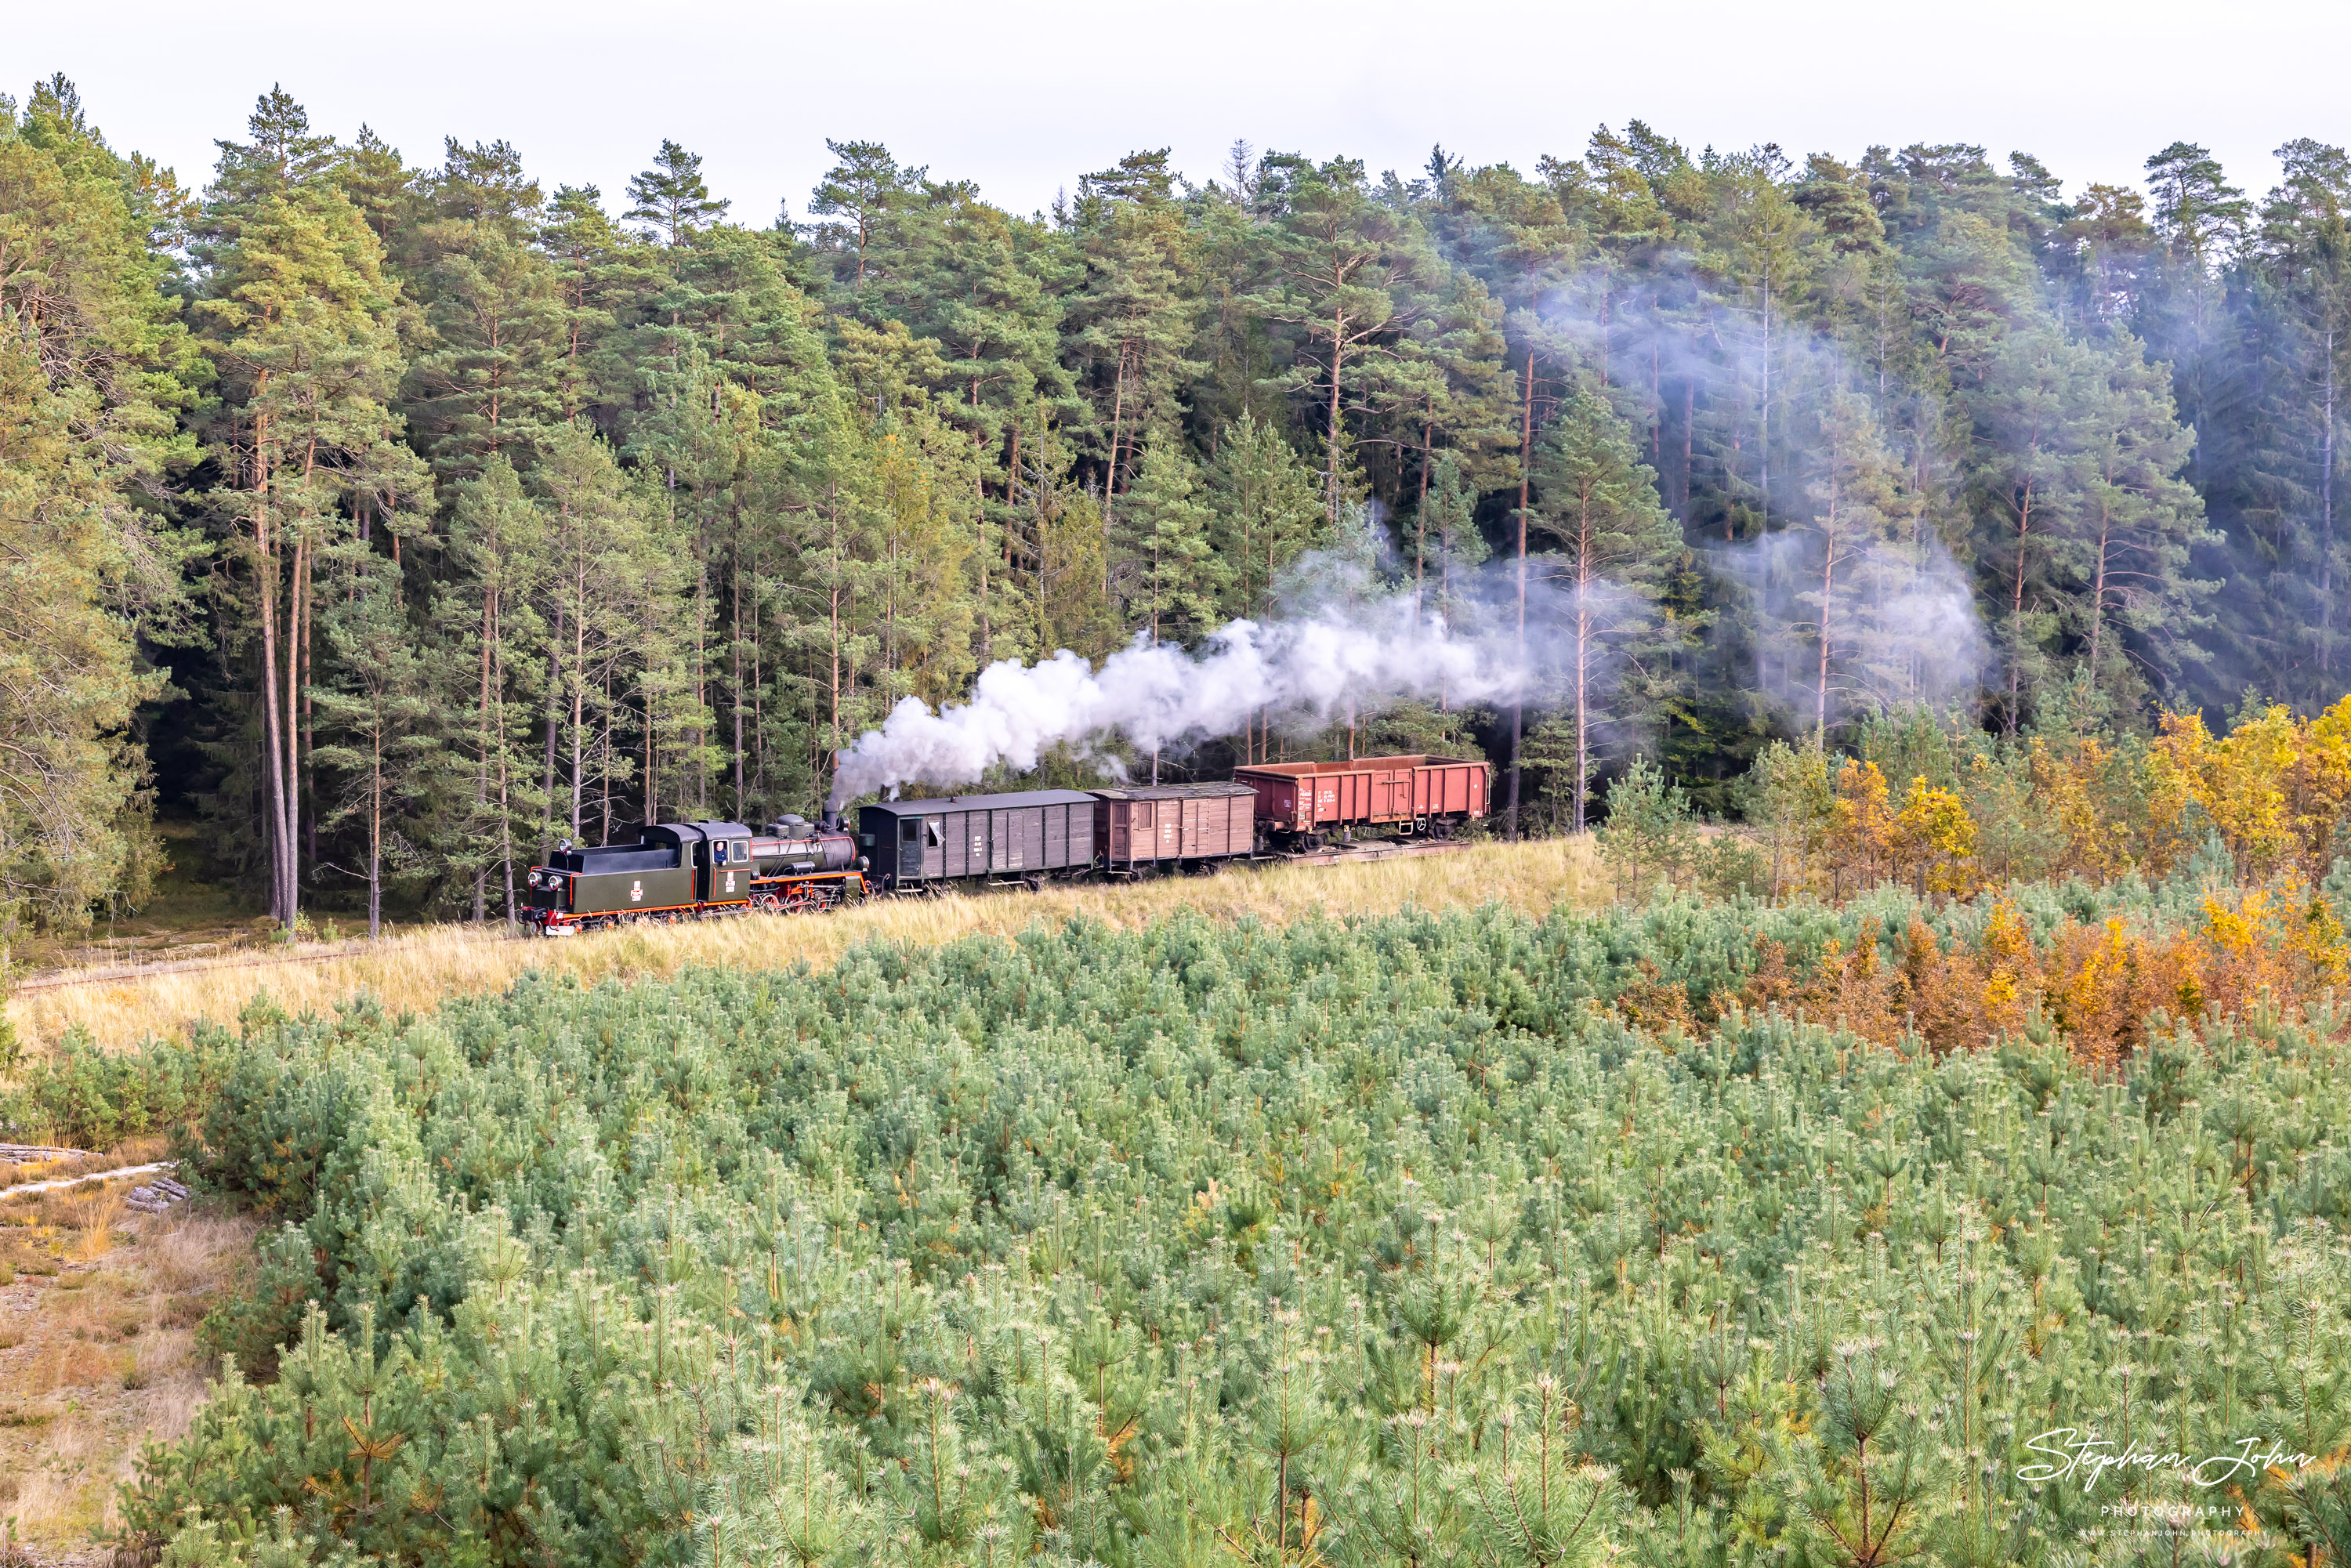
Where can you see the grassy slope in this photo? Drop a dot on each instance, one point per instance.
(414, 971)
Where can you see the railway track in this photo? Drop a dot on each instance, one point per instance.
(185, 966)
(1366, 852)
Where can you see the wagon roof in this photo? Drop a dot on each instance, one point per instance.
(1355, 765)
(982, 802)
(1176, 792)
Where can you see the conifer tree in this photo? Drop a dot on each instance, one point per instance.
(2027, 474)
(1179, 579)
(1343, 272)
(860, 190)
(1132, 314)
(1267, 511)
(376, 708)
(596, 529)
(2305, 242)
(93, 367)
(1856, 503)
(671, 198)
(1597, 505)
(297, 323)
(598, 276)
(499, 540)
(488, 381)
(2128, 541)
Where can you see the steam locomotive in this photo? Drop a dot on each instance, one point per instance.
(693, 871)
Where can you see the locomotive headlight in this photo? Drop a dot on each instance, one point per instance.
(535, 880)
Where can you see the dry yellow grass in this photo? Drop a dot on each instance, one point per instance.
(102, 1360)
(414, 972)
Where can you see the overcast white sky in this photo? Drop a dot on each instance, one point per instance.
(1026, 95)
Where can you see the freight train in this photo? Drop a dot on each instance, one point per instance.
(693, 871)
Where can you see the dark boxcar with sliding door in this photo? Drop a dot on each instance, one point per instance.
(1021, 837)
(1165, 824)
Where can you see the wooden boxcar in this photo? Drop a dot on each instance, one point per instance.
(1306, 801)
(1162, 824)
(1023, 837)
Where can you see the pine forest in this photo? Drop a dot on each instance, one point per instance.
(1924, 1139)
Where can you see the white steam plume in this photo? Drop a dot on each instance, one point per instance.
(1317, 665)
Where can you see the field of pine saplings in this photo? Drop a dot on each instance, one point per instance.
(1977, 1225)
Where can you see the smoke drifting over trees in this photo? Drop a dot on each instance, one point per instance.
(400, 516)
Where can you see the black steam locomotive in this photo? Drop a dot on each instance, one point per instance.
(694, 871)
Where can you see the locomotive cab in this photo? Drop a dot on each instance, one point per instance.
(722, 858)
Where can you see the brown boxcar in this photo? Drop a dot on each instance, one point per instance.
(1163, 823)
(1423, 794)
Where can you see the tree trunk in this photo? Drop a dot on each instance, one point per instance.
(578, 699)
(292, 864)
(1420, 520)
(1519, 699)
(833, 610)
(2016, 613)
(1110, 476)
(375, 833)
(734, 678)
(1821, 695)
(652, 797)
(2326, 526)
(309, 674)
(482, 747)
(1763, 432)
(554, 702)
(266, 569)
(1338, 351)
(2098, 587)
(1583, 576)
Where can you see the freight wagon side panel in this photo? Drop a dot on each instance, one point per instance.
(1284, 802)
(1292, 804)
(1082, 817)
(1433, 790)
(1329, 798)
(1240, 824)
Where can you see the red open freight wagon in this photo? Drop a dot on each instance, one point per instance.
(1309, 800)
